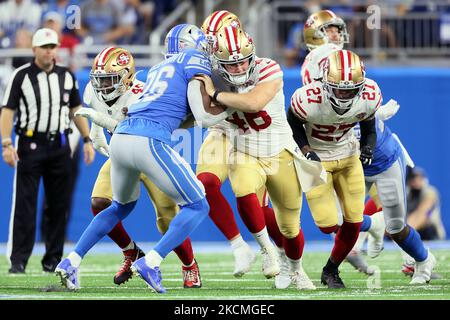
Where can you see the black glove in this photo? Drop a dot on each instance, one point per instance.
(366, 155)
(311, 155)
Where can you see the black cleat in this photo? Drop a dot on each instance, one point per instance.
(17, 268)
(332, 279)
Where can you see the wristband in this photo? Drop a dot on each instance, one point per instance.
(87, 139)
(216, 93)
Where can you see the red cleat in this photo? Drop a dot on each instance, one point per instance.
(191, 276)
(125, 273)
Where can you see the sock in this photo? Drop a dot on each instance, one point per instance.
(345, 240)
(153, 259)
(370, 208)
(272, 226)
(185, 253)
(251, 212)
(413, 245)
(75, 259)
(366, 223)
(189, 217)
(294, 264)
(262, 237)
(294, 247)
(237, 242)
(118, 234)
(220, 210)
(331, 266)
(130, 246)
(102, 224)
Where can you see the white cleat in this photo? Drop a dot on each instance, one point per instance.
(244, 257)
(283, 279)
(270, 267)
(422, 271)
(302, 281)
(376, 235)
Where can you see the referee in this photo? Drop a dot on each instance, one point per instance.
(44, 96)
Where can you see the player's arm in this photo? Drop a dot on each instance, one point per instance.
(368, 140)
(253, 101)
(98, 138)
(200, 102)
(418, 218)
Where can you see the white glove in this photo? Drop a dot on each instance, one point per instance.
(98, 118)
(388, 110)
(99, 140)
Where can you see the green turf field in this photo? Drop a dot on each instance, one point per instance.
(218, 283)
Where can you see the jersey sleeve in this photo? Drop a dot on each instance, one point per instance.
(268, 70)
(372, 89)
(298, 107)
(88, 95)
(197, 63)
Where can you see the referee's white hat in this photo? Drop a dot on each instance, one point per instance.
(43, 37)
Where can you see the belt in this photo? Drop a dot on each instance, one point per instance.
(52, 136)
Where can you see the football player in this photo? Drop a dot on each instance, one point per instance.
(141, 143)
(264, 153)
(322, 115)
(113, 87)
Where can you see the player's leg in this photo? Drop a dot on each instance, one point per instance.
(247, 176)
(101, 199)
(166, 209)
(125, 182)
(286, 194)
(173, 176)
(212, 171)
(391, 190)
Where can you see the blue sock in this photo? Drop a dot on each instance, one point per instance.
(102, 224)
(413, 246)
(366, 223)
(189, 217)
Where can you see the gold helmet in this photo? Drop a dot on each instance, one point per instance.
(216, 21)
(343, 79)
(112, 73)
(314, 31)
(234, 47)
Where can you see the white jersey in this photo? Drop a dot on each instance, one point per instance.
(264, 133)
(312, 66)
(119, 109)
(329, 134)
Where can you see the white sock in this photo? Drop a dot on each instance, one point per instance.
(262, 237)
(237, 242)
(129, 246)
(295, 265)
(75, 259)
(153, 259)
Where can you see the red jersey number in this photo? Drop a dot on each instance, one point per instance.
(325, 132)
(316, 93)
(369, 92)
(257, 121)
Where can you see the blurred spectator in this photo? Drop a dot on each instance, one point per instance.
(22, 41)
(131, 15)
(61, 7)
(102, 23)
(424, 212)
(15, 15)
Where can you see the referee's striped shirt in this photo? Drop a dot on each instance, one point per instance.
(42, 100)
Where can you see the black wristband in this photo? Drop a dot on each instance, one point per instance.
(216, 93)
(87, 139)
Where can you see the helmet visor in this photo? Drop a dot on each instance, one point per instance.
(105, 83)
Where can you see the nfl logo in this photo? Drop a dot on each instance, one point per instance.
(361, 116)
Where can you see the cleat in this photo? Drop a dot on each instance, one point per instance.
(357, 261)
(302, 281)
(191, 276)
(17, 269)
(407, 270)
(376, 235)
(423, 270)
(151, 276)
(270, 267)
(244, 257)
(332, 279)
(283, 279)
(125, 273)
(68, 275)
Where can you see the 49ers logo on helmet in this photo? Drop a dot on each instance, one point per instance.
(123, 59)
(309, 22)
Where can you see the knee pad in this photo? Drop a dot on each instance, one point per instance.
(388, 193)
(395, 225)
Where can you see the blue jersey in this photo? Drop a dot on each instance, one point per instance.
(387, 149)
(164, 104)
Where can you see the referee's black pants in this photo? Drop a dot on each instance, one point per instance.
(49, 159)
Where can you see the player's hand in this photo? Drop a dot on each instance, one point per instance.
(388, 110)
(89, 153)
(311, 155)
(10, 156)
(101, 145)
(366, 155)
(209, 85)
(85, 112)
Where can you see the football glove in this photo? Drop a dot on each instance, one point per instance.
(388, 110)
(98, 118)
(311, 155)
(99, 141)
(366, 155)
